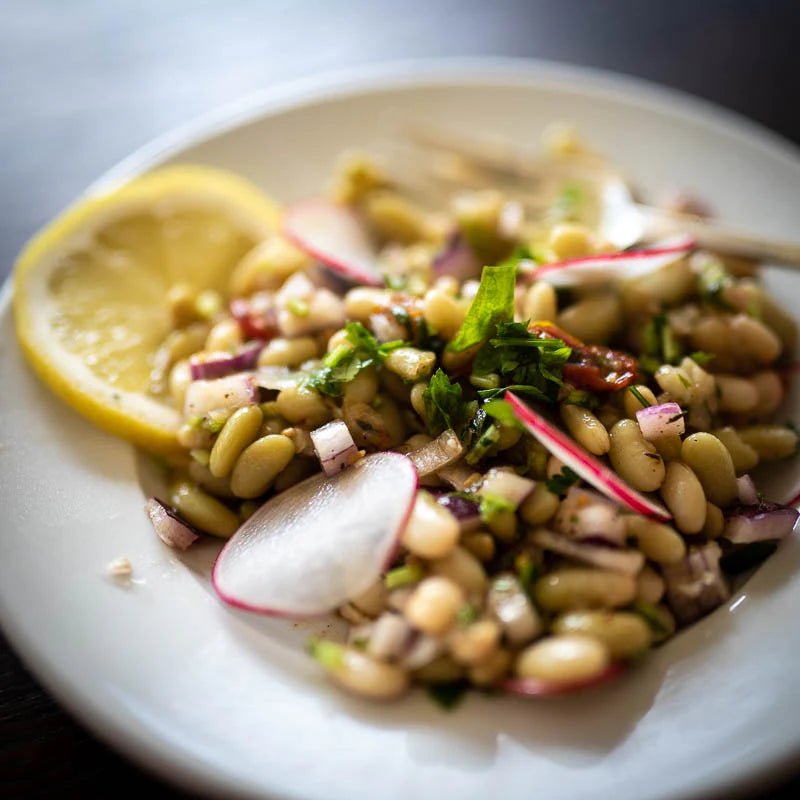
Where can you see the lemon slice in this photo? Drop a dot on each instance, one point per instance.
(90, 289)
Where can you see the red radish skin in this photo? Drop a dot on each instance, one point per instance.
(333, 235)
(533, 687)
(627, 264)
(314, 546)
(583, 463)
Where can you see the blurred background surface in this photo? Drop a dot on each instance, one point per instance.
(85, 82)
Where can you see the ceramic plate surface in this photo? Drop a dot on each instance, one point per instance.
(229, 704)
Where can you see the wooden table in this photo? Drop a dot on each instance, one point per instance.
(84, 82)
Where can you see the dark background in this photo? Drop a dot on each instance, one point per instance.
(84, 82)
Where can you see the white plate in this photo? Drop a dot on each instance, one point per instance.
(226, 703)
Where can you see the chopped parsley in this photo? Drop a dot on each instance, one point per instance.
(701, 358)
(559, 483)
(341, 365)
(487, 437)
(448, 695)
(501, 411)
(639, 396)
(329, 654)
(444, 404)
(580, 397)
(297, 307)
(712, 281)
(651, 616)
(492, 505)
(493, 304)
(467, 614)
(659, 345)
(522, 362)
(403, 576)
(527, 571)
(568, 205)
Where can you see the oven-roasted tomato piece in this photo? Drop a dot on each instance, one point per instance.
(592, 366)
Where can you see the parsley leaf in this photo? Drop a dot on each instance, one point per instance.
(700, 357)
(643, 401)
(712, 281)
(501, 411)
(341, 365)
(448, 695)
(444, 404)
(493, 303)
(559, 483)
(660, 346)
(522, 361)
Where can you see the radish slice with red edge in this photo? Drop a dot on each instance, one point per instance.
(583, 463)
(613, 266)
(535, 687)
(334, 235)
(319, 543)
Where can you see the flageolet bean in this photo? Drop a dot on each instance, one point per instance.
(503, 524)
(743, 455)
(480, 544)
(491, 670)
(771, 442)
(758, 341)
(443, 313)
(300, 404)
(570, 240)
(770, 392)
(433, 605)
(432, 531)
(226, 335)
(395, 387)
(563, 659)
(443, 669)
(666, 621)
(362, 675)
(417, 398)
(712, 464)
(684, 496)
(571, 588)
(509, 435)
(394, 218)
(363, 387)
(199, 473)
(593, 319)
(623, 633)
(632, 404)
(372, 601)
(585, 428)
(736, 395)
(363, 301)
(659, 542)
(410, 363)
(539, 506)
(649, 585)
(288, 352)
(669, 447)
(540, 302)
(267, 266)
(180, 376)
(715, 521)
(259, 464)
(635, 459)
(461, 567)
(203, 511)
(298, 469)
(475, 643)
(240, 430)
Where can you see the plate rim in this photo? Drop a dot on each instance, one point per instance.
(174, 767)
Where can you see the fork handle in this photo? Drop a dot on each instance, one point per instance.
(723, 239)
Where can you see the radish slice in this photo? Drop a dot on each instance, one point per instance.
(207, 366)
(533, 687)
(321, 542)
(333, 235)
(613, 266)
(583, 463)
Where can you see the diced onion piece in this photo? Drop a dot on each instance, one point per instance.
(508, 603)
(583, 463)
(696, 585)
(457, 259)
(277, 378)
(457, 474)
(217, 365)
(466, 511)
(171, 529)
(386, 328)
(334, 447)
(628, 561)
(443, 450)
(587, 515)
(507, 485)
(232, 392)
(748, 494)
(656, 422)
(389, 636)
(759, 522)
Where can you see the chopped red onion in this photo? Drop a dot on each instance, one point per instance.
(748, 494)
(171, 529)
(422, 651)
(278, 378)
(389, 636)
(507, 602)
(456, 259)
(443, 450)
(628, 561)
(584, 514)
(696, 585)
(457, 474)
(656, 422)
(466, 511)
(386, 327)
(759, 522)
(322, 308)
(232, 392)
(334, 447)
(507, 485)
(217, 365)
